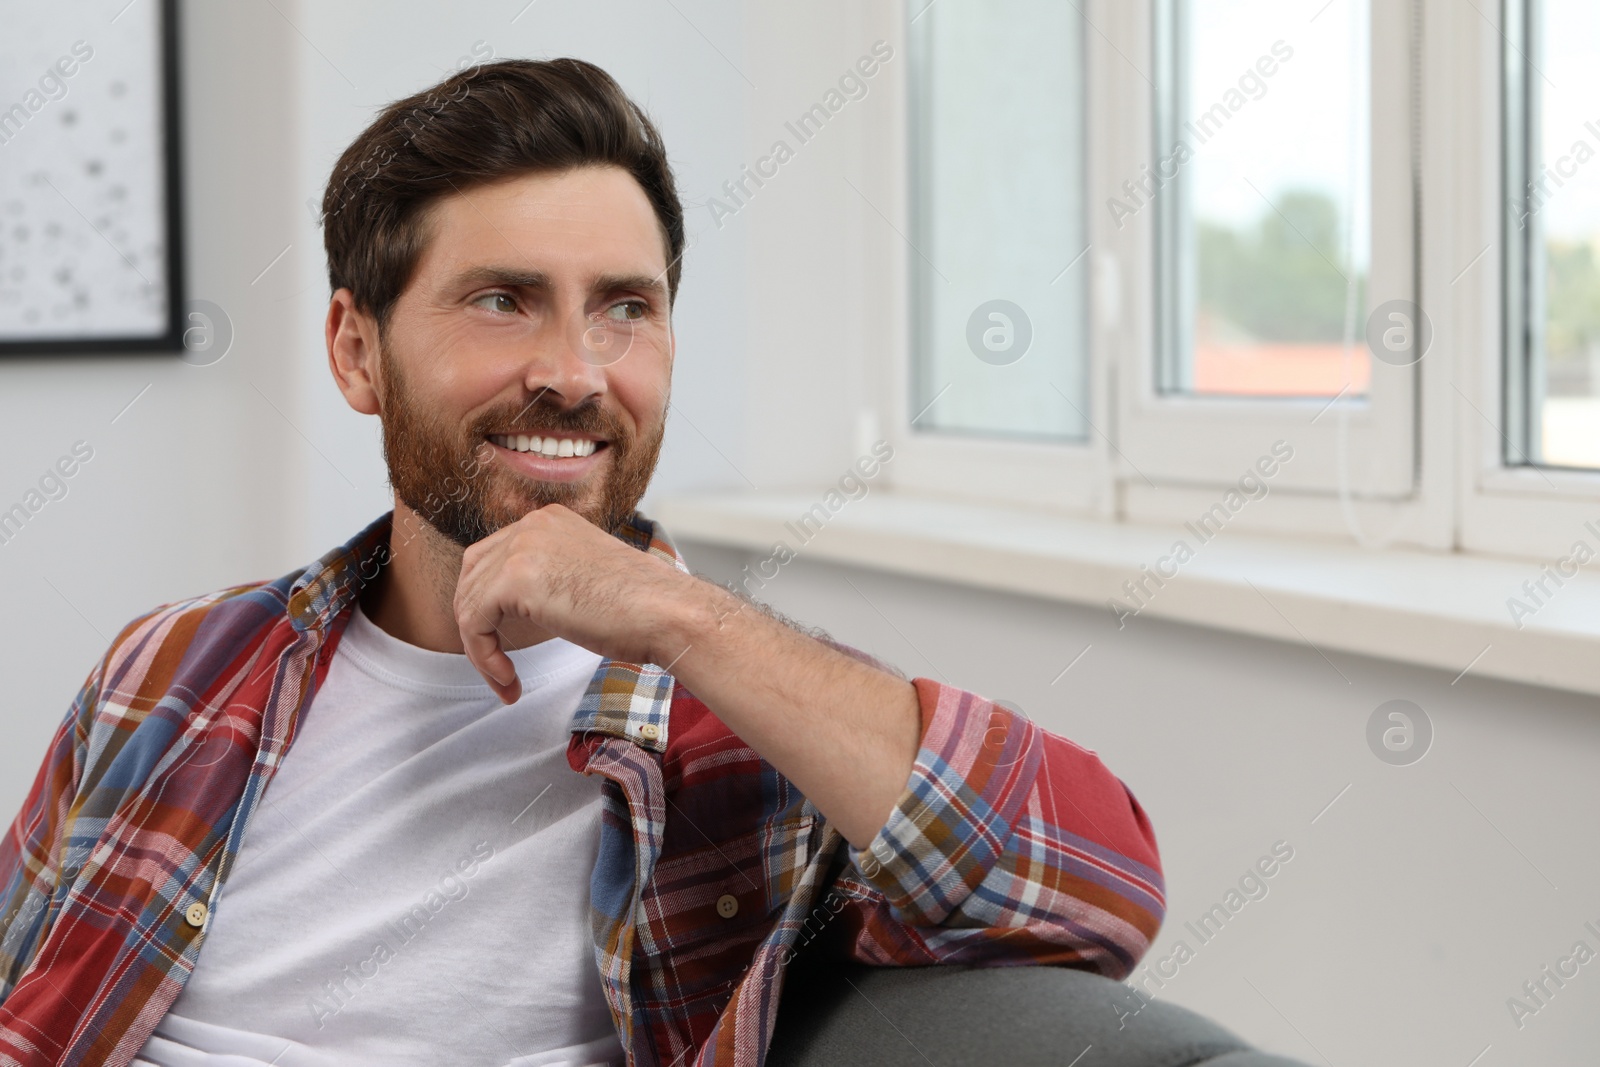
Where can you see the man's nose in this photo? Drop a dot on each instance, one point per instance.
(571, 357)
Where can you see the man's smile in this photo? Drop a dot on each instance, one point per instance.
(551, 458)
(558, 446)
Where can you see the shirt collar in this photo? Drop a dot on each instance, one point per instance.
(629, 700)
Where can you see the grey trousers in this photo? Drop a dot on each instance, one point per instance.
(835, 1015)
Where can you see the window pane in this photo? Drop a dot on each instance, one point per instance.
(1560, 215)
(1262, 164)
(998, 227)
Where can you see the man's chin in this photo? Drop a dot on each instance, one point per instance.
(583, 504)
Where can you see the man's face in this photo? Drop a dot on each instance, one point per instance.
(538, 310)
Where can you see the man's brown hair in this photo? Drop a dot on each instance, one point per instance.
(488, 122)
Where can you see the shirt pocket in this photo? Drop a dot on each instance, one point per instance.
(709, 907)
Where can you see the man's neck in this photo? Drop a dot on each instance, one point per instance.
(413, 596)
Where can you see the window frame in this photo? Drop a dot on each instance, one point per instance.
(1505, 508)
(1206, 440)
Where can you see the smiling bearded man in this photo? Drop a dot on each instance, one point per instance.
(498, 780)
(429, 458)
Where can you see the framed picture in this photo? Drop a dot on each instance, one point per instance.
(91, 248)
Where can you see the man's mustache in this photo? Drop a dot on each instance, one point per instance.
(540, 420)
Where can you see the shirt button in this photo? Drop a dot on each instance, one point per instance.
(727, 905)
(196, 915)
(649, 731)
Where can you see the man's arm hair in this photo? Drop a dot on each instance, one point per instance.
(816, 633)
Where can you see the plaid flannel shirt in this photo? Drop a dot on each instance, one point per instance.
(1009, 845)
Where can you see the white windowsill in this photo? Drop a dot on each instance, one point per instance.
(1436, 610)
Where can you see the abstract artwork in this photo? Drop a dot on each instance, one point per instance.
(90, 248)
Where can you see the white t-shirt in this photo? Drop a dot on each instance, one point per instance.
(414, 886)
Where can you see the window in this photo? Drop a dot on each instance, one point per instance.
(1264, 214)
(998, 219)
(1552, 57)
(1368, 229)
(1262, 192)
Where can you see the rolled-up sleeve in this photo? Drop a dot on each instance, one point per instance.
(1010, 844)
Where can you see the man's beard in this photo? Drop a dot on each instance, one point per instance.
(451, 481)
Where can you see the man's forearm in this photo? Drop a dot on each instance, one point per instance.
(843, 731)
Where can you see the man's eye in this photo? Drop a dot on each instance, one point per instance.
(504, 302)
(631, 311)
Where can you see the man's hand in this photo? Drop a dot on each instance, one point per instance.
(554, 572)
(845, 732)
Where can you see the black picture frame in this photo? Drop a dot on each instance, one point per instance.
(170, 340)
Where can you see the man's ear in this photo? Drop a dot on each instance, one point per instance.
(352, 338)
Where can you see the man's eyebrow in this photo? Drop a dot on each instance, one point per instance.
(538, 280)
(638, 283)
(508, 276)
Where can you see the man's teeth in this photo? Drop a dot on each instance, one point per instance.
(546, 446)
